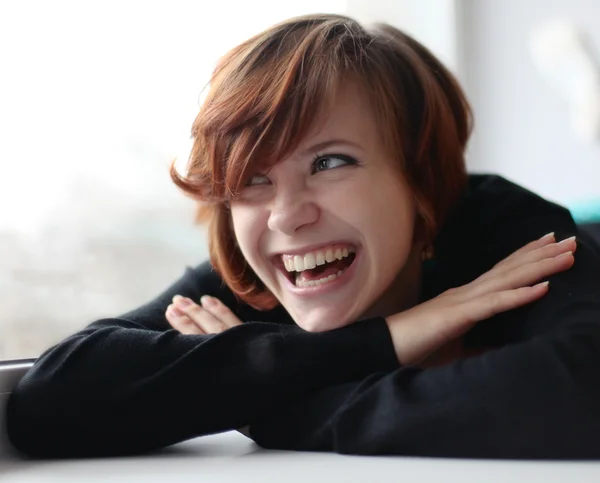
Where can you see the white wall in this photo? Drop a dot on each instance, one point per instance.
(522, 126)
(431, 22)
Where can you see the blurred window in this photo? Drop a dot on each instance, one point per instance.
(96, 98)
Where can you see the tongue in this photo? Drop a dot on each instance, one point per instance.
(323, 271)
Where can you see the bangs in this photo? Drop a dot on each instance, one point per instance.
(266, 96)
(268, 134)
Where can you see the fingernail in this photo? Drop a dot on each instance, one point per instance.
(171, 309)
(543, 284)
(181, 301)
(207, 300)
(566, 240)
(548, 236)
(566, 254)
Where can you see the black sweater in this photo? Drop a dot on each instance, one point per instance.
(131, 384)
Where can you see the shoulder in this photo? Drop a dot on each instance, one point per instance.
(499, 213)
(495, 202)
(493, 218)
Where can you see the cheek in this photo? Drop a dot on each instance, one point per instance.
(247, 227)
(385, 216)
(377, 206)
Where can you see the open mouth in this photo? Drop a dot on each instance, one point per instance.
(319, 267)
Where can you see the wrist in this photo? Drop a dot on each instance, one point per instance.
(407, 334)
(394, 326)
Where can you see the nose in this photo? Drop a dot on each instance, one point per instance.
(291, 211)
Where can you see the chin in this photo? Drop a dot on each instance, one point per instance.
(322, 322)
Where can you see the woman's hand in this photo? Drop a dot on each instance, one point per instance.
(211, 317)
(426, 328)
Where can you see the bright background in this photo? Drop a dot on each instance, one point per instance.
(97, 97)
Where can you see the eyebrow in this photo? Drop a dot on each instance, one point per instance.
(327, 144)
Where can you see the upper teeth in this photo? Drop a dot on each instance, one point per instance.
(299, 263)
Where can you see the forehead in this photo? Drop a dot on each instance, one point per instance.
(349, 116)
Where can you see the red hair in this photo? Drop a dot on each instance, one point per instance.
(266, 94)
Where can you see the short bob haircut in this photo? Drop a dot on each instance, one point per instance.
(267, 93)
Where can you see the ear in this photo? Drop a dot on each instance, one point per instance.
(422, 240)
(420, 236)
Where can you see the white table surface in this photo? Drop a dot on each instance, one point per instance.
(231, 457)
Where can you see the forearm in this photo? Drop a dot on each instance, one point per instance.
(116, 390)
(533, 400)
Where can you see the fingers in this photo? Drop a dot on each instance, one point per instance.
(181, 322)
(533, 272)
(546, 251)
(206, 321)
(551, 250)
(211, 317)
(493, 303)
(534, 245)
(220, 311)
(523, 275)
(528, 265)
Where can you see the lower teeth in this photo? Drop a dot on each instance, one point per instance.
(320, 281)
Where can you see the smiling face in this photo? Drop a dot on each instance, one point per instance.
(329, 230)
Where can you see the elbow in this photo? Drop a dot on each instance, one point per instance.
(40, 410)
(22, 420)
(41, 424)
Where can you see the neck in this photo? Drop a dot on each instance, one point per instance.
(404, 292)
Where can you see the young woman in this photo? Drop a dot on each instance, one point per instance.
(364, 293)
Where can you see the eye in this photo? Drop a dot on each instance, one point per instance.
(331, 161)
(257, 180)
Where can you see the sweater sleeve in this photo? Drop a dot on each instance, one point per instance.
(536, 396)
(131, 384)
